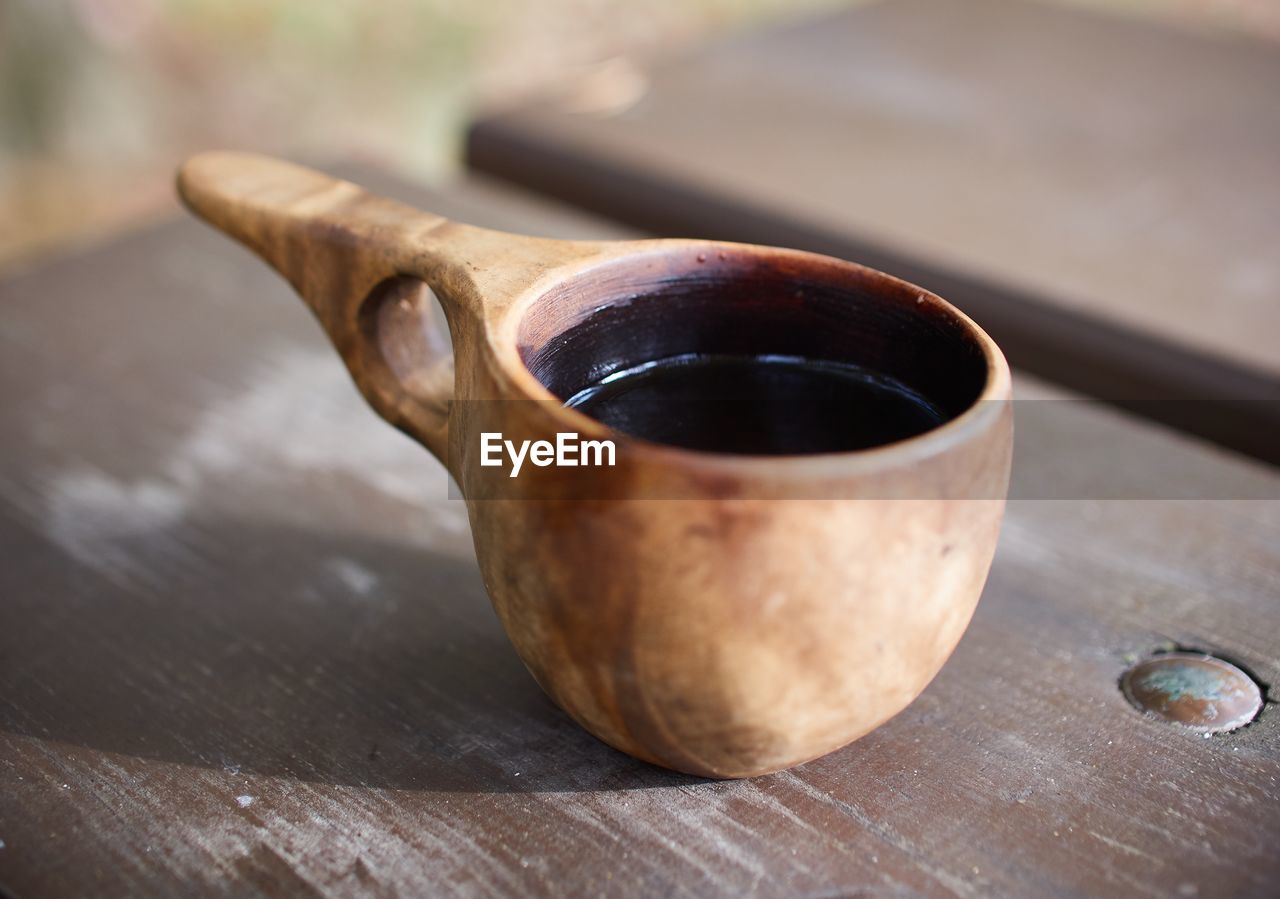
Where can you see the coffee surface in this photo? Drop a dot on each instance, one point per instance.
(757, 405)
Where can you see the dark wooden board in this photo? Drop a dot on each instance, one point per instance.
(244, 649)
(1101, 194)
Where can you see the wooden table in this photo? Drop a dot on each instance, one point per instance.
(244, 649)
(1103, 194)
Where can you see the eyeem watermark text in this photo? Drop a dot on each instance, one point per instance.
(568, 451)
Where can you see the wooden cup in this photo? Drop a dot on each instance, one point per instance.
(722, 615)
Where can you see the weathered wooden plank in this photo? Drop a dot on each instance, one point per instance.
(1100, 193)
(244, 650)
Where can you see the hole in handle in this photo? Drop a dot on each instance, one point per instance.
(402, 319)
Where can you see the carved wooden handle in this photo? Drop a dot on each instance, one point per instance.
(363, 264)
(358, 260)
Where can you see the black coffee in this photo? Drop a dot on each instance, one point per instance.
(757, 405)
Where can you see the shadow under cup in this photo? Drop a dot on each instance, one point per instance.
(753, 352)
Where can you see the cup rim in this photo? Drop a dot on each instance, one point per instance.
(976, 418)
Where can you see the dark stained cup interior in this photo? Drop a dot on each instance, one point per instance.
(736, 304)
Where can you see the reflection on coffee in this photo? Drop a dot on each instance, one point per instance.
(757, 405)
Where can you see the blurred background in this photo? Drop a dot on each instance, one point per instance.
(100, 98)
